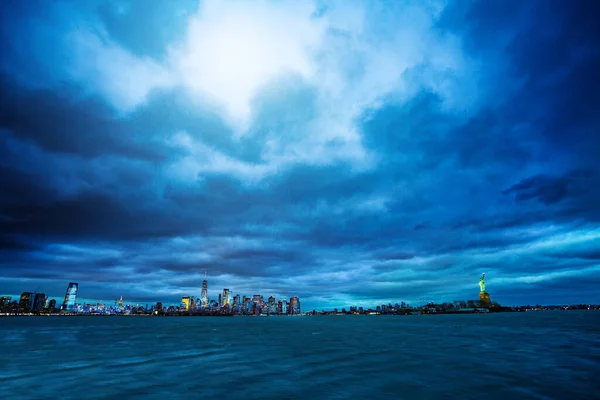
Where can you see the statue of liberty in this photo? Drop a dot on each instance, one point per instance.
(484, 297)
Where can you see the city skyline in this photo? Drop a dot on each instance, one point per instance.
(226, 298)
(348, 153)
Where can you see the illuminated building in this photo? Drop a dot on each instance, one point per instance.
(248, 305)
(159, 307)
(39, 301)
(272, 307)
(225, 298)
(192, 303)
(70, 297)
(185, 303)
(46, 302)
(280, 307)
(25, 301)
(52, 305)
(258, 299)
(121, 302)
(204, 294)
(294, 306)
(236, 300)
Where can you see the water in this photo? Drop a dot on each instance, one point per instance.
(536, 355)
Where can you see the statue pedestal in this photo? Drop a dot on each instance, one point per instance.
(484, 299)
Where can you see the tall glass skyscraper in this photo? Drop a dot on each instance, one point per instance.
(70, 297)
(204, 294)
(225, 298)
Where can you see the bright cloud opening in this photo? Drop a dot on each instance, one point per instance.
(232, 48)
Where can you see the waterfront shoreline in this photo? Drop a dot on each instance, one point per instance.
(324, 314)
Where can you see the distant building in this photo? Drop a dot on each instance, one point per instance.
(204, 294)
(258, 301)
(70, 297)
(5, 300)
(159, 307)
(294, 306)
(185, 303)
(280, 307)
(236, 300)
(270, 306)
(225, 298)
(39, 301)
(25, 302)
(52, 305)
(248, 305)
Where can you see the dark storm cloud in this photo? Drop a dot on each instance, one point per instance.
(493, 178)
(550, 190)
(57, 121)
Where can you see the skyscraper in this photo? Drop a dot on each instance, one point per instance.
(39, 301)
(236, 300)
(25, 302)
(280, 307)
(70, 297)
(204, 294)
(248, 305)
(272, 307)
(225, 298)
(4, 300)
(294, 306)
(185, 303)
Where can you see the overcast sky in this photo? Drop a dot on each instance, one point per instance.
(346, 152)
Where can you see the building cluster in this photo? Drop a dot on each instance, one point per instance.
(34, 302)
(226, 304)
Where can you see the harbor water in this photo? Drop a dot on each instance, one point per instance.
(532, 355)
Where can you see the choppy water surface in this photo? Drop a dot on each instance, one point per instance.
(537, 355)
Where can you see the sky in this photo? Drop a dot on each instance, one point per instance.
(349, 153)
